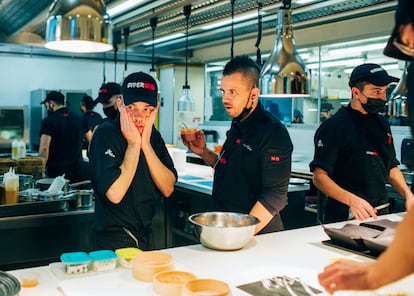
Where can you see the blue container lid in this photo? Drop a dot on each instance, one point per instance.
(75, 258)
(102, 255)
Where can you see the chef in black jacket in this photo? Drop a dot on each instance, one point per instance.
(131, 168)
(61, 135)
(252, 171)
(354, 151)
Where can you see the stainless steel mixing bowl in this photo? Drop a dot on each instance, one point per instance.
(224, 230)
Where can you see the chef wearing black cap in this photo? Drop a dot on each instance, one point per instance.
(108, 94)
(61, 137)
(131, 168)
(354, 151)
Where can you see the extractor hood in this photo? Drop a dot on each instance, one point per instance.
(284, 74)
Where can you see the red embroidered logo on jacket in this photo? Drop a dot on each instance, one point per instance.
(274, 158)
(223, 160)
(65, 114)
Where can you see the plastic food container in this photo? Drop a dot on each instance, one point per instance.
(148, 263)
(75, 262)
(103, 260)
(170, 283)
(206, 287)
(125, 256)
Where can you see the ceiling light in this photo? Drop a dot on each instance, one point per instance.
(79, 26)
(356, 49)
(124, 6)
(284, 74)
(343, 62)
(227, 22)
(186, 102)
(162, 39)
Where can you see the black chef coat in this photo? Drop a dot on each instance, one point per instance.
(254, 165)
(358, 153)
(65, 150)
(136, 210)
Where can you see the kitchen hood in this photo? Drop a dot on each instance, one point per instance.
(284, 74)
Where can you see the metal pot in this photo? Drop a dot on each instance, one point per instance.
(82, 199)
(44, 184)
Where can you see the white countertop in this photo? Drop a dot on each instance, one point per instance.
(295, 252)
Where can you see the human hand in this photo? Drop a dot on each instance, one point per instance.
(128, 128)
(361, 209)
(409, 202)
(148, 124)
(346, 274)
(199, 145)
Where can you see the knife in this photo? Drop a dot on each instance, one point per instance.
(380, 207)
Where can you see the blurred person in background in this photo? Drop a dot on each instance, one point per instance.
(397, 261)
(108, 95)
(61, 135)
(90, 119)
(325, 111)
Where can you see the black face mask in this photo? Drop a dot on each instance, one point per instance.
(49, 111)
(111, 112)
(374, 106)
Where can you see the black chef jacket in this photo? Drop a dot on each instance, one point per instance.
(65, 151)
(254, 165)
(136, 210)
(358, 153)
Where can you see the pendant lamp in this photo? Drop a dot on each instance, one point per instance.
(185, 102)
(153, 72)
(78, 26)
(398, 97)
(284, 74)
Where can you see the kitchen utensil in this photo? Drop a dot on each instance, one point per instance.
(206, 287)
(45, 183)
(148, 263)
(224, 230)
(81, 198)
(380, 207)
(170, 283)
(9, 284)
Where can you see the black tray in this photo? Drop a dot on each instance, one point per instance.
(34, 207)
(368, 238)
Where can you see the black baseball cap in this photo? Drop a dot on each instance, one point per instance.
(325, 107)
(107, 90)
(56, 96)
(140, 87)
(371, 73)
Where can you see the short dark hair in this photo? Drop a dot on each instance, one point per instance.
(88, 102)
(243, 64)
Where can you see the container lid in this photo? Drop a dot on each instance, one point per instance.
(74, 258)
(127, 253)
(102, 255)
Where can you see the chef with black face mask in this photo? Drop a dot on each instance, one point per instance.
(354, 152)
(108, 94)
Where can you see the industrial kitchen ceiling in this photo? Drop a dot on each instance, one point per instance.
(23, 24)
